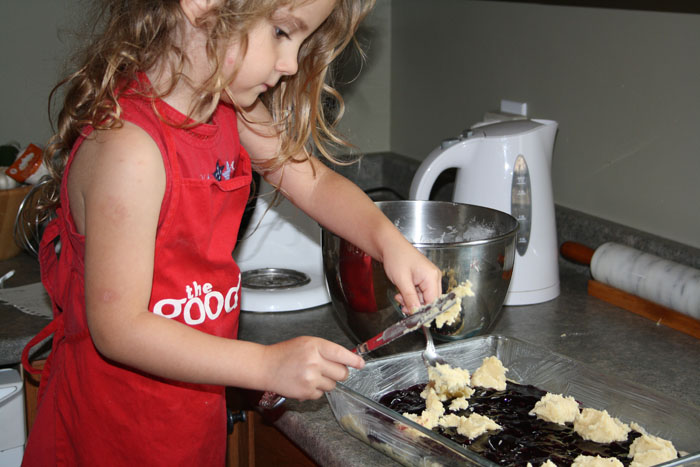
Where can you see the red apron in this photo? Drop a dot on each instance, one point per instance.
(95, 412)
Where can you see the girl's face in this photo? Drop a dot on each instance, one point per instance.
(273, 49)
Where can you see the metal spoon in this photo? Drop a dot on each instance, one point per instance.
(430, 356)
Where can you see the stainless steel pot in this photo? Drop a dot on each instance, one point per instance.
(465, 241)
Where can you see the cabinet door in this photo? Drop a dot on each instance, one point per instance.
(31, 390)
(272, 447)
(256, 442)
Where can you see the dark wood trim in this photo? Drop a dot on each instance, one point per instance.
(31, 391)
(677, 6)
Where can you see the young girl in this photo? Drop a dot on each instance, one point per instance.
(150, 182)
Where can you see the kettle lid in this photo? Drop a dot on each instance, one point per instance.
(506, 128)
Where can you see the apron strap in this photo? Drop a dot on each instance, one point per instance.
(48, 260)
(48, 330)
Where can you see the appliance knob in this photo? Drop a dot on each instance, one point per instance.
(446, 143)
(470, 133)
(234, 417)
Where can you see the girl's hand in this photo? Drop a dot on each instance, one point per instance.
(417, 278)
(306, 367)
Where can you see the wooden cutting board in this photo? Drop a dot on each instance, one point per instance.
(627, 301)
(643, 307)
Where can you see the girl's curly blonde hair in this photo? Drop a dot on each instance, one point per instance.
(134, 35)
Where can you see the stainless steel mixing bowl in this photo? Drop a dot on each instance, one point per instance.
(464, 241)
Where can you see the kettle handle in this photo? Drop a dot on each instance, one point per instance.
(458, 156)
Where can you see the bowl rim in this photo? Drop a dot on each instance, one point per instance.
(510, 233)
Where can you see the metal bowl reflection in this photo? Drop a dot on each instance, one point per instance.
(464, 241)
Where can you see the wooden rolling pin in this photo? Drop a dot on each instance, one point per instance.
(658, 289)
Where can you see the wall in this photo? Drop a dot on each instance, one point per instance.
(36, 38)
(624, 86)
(367, 121)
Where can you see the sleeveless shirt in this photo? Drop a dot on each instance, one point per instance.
(93, 411)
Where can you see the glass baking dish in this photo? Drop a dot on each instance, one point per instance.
(355, 407)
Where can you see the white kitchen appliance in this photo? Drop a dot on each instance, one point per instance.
(506, 166)
(12, 424)
(280, 258)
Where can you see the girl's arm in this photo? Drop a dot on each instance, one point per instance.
(116, 187)
(340, 206)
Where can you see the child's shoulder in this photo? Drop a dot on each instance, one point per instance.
(127, 144)
(117, 164)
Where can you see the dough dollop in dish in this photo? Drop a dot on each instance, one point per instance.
(516, 424)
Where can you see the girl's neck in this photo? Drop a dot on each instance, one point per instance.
(184, 96)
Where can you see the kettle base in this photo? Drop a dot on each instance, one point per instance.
(530, 297)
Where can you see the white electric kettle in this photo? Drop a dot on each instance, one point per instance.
(507, 166)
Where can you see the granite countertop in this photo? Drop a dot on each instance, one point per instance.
(17, 327)
(607, 338)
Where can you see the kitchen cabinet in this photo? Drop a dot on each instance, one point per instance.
(31, 390)
(256, 442)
